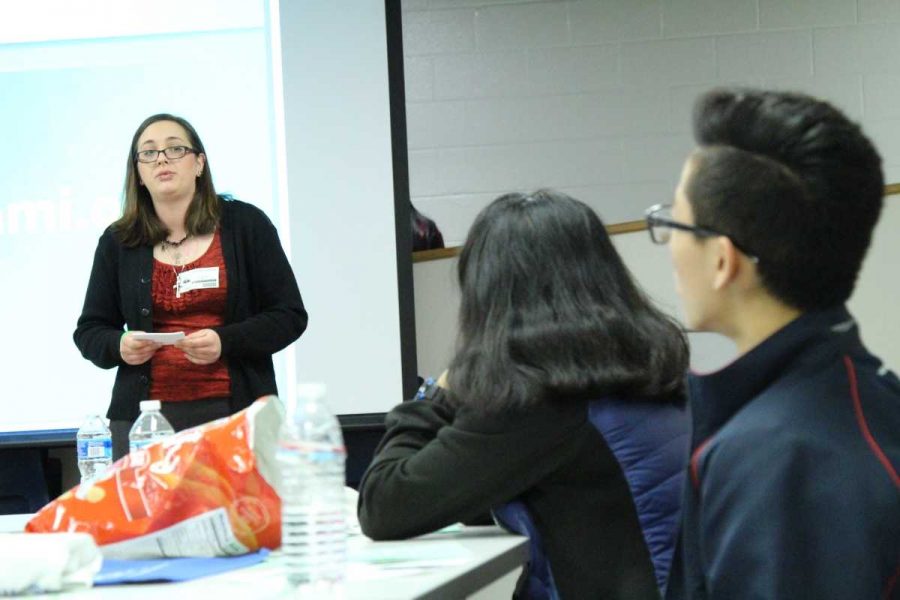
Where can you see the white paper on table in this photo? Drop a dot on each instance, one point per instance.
(390, 556)
(159, 338)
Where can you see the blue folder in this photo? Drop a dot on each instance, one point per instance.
(171, 569)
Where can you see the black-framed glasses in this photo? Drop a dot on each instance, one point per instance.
(172, 153)
(660, 225)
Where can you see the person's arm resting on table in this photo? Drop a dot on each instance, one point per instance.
(437, 466)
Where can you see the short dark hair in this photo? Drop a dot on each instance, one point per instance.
(139, 224)
(794, 181)
(548, 309)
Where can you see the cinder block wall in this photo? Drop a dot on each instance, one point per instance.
(593, 97)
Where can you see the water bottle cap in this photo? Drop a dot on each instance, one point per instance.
(150, 405)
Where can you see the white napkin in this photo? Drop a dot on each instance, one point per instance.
(47, 562)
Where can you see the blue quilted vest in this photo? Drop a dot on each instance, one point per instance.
(651, 443)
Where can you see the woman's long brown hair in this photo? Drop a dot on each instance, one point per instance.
(139, 225)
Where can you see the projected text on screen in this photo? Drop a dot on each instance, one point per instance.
(76, 80)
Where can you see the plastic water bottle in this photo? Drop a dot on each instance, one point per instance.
(150, 426)
(311, 457)
(94, 446)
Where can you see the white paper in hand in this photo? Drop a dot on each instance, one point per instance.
(159, 338)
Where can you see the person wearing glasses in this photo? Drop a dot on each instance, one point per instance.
(183, 259)
(793, 478)
(562, 411)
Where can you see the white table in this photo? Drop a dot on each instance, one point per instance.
(440, 565)
(12, 523)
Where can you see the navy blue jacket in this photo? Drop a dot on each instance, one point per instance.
(793, 489)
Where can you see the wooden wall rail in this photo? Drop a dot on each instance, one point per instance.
(891, 189)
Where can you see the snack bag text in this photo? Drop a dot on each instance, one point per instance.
(206, 491)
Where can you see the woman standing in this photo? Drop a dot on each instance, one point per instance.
(563, 412)
(182, 258)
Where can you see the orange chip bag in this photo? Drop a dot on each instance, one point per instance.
(205, 491)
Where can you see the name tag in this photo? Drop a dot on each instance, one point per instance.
(197, 279)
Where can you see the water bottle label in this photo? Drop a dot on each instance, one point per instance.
(99, 448)
(312, 448)
(143, 442)
(138, 444)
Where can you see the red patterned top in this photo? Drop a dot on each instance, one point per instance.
(174, 378)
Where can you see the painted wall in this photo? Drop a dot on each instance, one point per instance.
(593, 96)
(874, 303)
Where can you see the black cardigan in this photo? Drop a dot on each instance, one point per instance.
(264, 312)
(438, 465)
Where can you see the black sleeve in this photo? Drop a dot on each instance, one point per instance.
(101, 322)
(437, 466)
(279, 316)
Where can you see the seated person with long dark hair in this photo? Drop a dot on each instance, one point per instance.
(562, 411)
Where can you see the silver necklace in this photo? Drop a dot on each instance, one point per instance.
(166, 245)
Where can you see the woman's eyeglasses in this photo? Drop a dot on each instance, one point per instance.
(660, 225)
(172, 153)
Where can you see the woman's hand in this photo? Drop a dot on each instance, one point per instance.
(442, 380)
(201, 347)
(136, 352)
